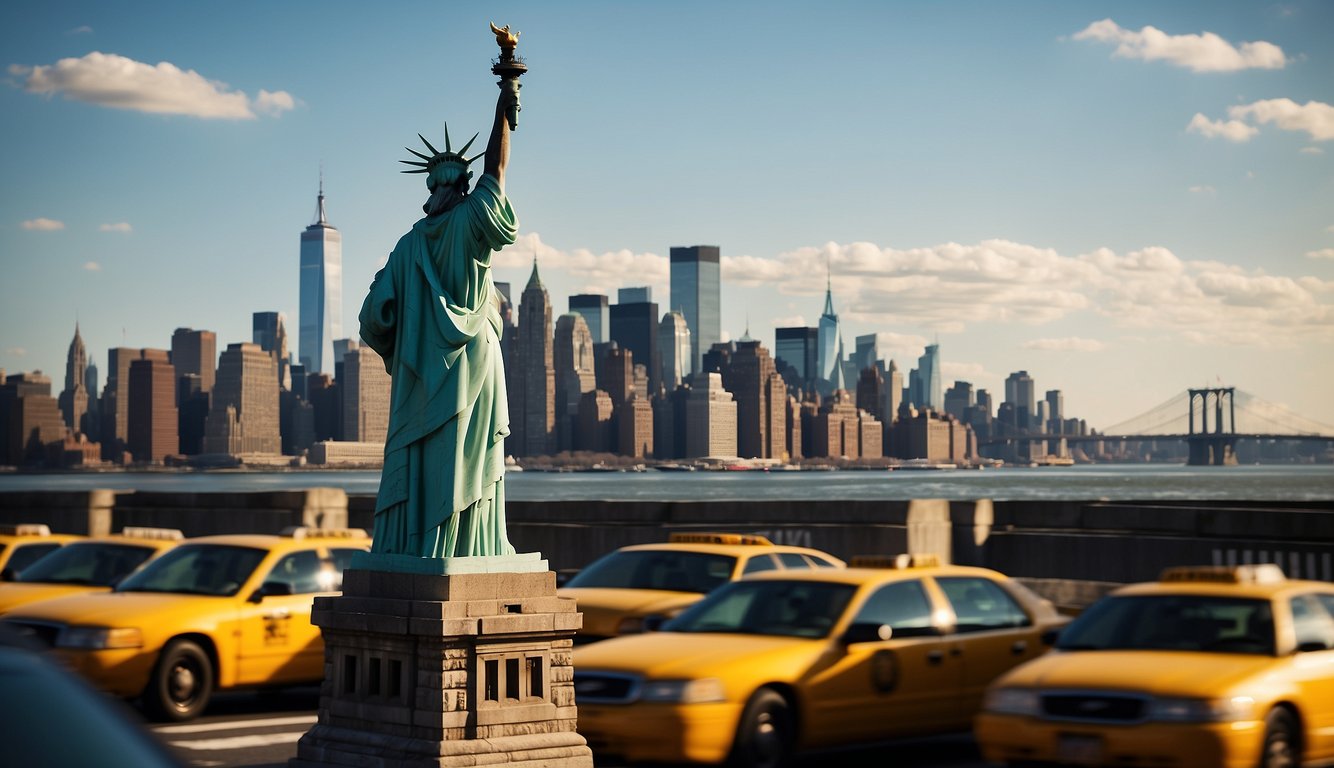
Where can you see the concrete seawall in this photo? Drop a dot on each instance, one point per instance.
(1067, 548)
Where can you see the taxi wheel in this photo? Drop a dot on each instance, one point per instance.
(766, 735)
(182, 682)
(1281, 748)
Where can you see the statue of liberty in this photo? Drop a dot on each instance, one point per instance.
(433, 315)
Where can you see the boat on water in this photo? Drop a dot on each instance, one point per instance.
(925, 464)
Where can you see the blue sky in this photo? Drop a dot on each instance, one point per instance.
(1123, 199)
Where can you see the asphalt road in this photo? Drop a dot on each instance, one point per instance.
(260, 730)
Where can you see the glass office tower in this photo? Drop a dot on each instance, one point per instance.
(696, 294)
(321, 292)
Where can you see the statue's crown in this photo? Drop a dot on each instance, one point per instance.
(438, 158)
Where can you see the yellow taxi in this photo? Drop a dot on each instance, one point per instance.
(85, 565)
(216, 612)
(23, 544)
(789, 661)
(1210, 666)
(619, 591)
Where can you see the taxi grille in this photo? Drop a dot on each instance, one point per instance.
(37, 631)
(604, 687)
(1093, 707)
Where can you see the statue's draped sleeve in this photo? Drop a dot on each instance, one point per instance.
(431, 313)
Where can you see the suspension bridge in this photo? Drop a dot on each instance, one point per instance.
(1211, 420)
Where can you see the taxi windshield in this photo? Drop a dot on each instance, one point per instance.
(785, 608)
(201, 569)
(93, 563)
(670, 570)
(1173, 623)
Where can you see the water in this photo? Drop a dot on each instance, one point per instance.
(1111, 482)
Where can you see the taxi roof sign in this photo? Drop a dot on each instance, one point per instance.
(748, 539)
(25, 529)
(1262, 573)
(143, 532)
(897, 562)
(311, 532)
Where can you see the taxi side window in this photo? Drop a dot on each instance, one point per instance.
(981, 605)
(793, 560)
(301, 570)
(821, 562)
(1312, 623)
(902, 605)
(759, 563)
(341, 559)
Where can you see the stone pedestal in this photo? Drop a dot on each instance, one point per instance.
(462, 669)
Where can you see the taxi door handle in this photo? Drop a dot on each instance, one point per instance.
(1019, 647)
(935, 657)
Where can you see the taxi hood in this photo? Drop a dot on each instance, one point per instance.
(686, 655)
(14, 595)
(111, 609)
(604, 608)
(1160, 673)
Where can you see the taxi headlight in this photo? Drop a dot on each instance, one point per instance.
(1012, 701)
(703, 690)
(1203, 710)
(99, 638)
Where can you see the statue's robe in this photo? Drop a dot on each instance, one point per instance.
(433, 315)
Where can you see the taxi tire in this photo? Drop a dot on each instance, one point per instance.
(1281, 748)
(183, 664)
(766, 734)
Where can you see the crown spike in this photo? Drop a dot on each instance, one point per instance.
(447, 149)
(413, 162)
(464, 151)
(469, 160)
(414, 170)
(434, 151)
(418, 154)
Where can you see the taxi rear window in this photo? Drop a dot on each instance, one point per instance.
(666, 570)
(93, 563)
(1173, 623)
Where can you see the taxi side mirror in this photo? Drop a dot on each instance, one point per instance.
(1312, 645)
(654, 621)
(866, 632)
(270, 589)
(1050, 637)
(8, 574)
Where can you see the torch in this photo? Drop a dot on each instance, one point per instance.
(508, 68)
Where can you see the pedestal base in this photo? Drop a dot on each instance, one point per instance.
(433, 670)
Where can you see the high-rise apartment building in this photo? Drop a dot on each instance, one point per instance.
(536, 412)
(674, 349)
(366, 389)
(710, 423)
(116, 403)
(572, 357)
(634, 327)
(321, 291)
(593, 307)
(798, 348)
(244, 415)
(74, 397)
(153, 415)
(31, 427)
(634, 427)
(696, 292)
(761, 396)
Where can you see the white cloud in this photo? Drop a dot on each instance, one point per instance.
(83, 30)
(1313, 117)
(1232, 130)
(1066, 344)
(595, 272)
(17, 352)
(788, 321)
(1203, 189)
(120, 226)
(1323, 253)
(1311, 151)
(111, 80)
(92, 266)
(43, 225)
(965, 371)
(1204, 52)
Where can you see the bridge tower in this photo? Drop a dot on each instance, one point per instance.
(1216, 446)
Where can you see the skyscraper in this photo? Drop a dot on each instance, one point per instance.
(153, 423)
(321, 291)
(634, 326)
(537, 372)
(761, 398)
(696, 288)
(244, 413)
(710, 418)
(194, 355)
(572, 357)
(798, 349)
(269, 331)
(593, 308)
(829, 344)
(674, 349)
(74, 398)
(1021, 394)
(931, 391)
(365, 396)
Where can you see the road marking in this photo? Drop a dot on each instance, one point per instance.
(236, 725)
(241, 742)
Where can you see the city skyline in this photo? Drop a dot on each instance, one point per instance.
(1122, 199)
